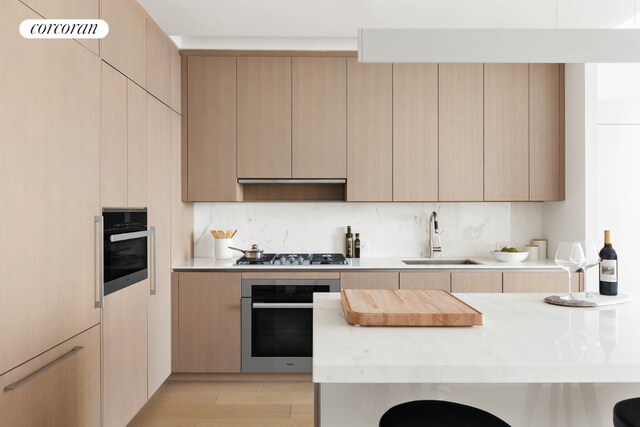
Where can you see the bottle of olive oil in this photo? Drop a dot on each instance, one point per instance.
(349, 243)
(356, 246)
(608, 267)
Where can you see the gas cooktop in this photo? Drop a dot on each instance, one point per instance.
(295, 259)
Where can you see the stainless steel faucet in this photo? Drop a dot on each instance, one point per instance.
(434, 237)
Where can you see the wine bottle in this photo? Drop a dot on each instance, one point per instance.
(356, 246)
(608, 267)
(349, 242)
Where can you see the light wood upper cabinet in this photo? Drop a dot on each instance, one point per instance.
(476, 281)
(125, 47)
(369, 132)
(209, 322)
(159, 215)
(65, 390)
(113, 138)
(426, 280)
(159, 82)
(319, 117)
(264, 117)
(546, 131)
(506, 132)
(460, 111)
(415, 132)
(50, 182)
(369, 280)
(136, 145)
(211, 146)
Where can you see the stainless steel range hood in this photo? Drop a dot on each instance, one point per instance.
(499, 45)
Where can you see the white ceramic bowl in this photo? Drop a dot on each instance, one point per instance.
(510, 257)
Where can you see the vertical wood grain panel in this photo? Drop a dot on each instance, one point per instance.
(415, 132)
(209, 313)
(476, 281)
(113, 138)
(369, 132)
(369, 280)
(506, 132)
(159, 81)
(264, 117)
(176, 99)
(319, 122)
(539, 282)
(136, 145)
(181, 213)
(460, 120)
(211, 133)
(426, 280)
(546, 124)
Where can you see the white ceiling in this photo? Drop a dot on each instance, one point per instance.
(333, 24)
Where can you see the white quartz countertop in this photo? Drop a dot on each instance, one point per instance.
(523, 340)
(374, 263)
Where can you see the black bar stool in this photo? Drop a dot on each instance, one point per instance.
(626, 413)
(438, 413)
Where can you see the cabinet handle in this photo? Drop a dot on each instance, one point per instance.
(99, 286)
(129, 236)
(282, 305)
(42, 370)
(152, 234)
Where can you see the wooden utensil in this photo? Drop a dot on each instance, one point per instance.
(229, 234)
(214, 233)
(407, 307)
(234, 233)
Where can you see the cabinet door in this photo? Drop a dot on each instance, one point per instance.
(158, 63)
(211, 152)
(426, 280)
(50, 185)
(319, 123)
(371, 280)
(159, 205)
(181, 213)
(176, 82)
(136, 145)
(506, 132)
(113, 139)
(460, 111)
(264, 117)
(539, 282)
(124, 355)
(415, 132)
(62, 386)
(209, 322)
(125, 47)
(546, 131)
(471, 282)
(369, 132)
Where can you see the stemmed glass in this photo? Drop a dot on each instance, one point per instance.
(592, 258)
(570, 257)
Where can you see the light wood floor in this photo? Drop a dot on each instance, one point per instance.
(229, 404)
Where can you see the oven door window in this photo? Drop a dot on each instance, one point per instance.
(281, 332)
(124, 258)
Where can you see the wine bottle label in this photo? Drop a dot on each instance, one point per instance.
(608, 270)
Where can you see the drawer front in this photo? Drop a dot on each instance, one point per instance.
(61, 387)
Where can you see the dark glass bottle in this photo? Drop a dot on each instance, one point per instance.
(356, 246)
(608, 267)
(349, 243)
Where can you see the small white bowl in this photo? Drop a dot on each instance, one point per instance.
(510, 257)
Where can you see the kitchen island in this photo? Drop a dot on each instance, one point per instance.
(532, 364)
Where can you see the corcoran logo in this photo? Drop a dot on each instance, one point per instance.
(64, 28)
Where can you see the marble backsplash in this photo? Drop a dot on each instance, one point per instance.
(386, 229)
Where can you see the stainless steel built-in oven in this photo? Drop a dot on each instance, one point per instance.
(277, 323)
(125, 236)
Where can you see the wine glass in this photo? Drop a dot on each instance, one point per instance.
(592, 258)
(570, 257)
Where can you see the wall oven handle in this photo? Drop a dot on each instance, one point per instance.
(46, 367)
(152, 233)
(129, 236)
(282, 305)
(99, 282)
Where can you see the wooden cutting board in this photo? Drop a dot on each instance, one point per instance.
(407, 307)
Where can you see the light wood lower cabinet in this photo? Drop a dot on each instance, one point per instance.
(124, 338)
(539, 282)
(476, 281)
(426, 280)
(208, 313)
(60, 387)
(369, 280)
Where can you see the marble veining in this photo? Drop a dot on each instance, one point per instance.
(386, 229)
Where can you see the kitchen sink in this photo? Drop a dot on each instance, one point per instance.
(436, 261)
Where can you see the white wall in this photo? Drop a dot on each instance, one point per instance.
(387, 229)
